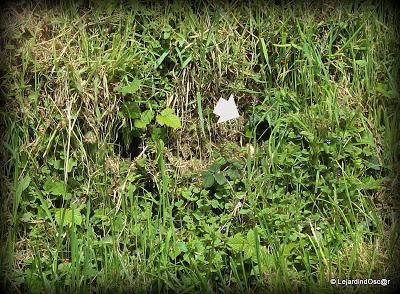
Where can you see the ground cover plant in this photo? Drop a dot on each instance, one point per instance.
(117, 178)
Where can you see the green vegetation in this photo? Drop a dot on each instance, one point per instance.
(116, 177)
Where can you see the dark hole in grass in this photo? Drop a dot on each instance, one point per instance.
(58, 203)
(263, 131)
(167, 66)
(388, 221)
(290, 188)
(256, 68)
(252, 84)
(127, 149)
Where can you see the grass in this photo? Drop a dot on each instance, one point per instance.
(116, 176)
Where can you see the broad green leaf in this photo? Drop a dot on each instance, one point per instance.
(68, 216)
(131, 88)
(145, 119)
(169, 118)
(220, 178)
(237, 242)
(214, 203)
(288, 248)
(249, 251)
(208, 179)
(233, 174)
(55, 187)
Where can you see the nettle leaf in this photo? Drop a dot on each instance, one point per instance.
(233, 174)
(55, 187)
(220, 178)
(214, 203)
(169, 118)
(208, 179)
(131, 88)
(68, 214)
(145, 119)
(237, 242)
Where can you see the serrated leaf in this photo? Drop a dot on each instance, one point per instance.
(131, 88)
(220, 178)
(214, 203)
(233, 174)
(68, 216)
(237, 242)
(55, 187)
(215, 167)
(145, 119)
(208, 179)
(169, 118)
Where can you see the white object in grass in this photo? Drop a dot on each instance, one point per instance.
(226, 109)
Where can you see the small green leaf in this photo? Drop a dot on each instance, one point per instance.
(361, 62)
(168, 118)
(27, 217)
(214, 203)
(145, 119)
(233, 174)
(161, 59)
(24, 183)
(288, 248)
(182, 246)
